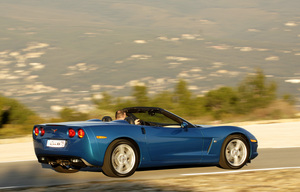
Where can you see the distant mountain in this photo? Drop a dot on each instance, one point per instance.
(61, 52)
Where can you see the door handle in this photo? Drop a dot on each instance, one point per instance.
(143, 130)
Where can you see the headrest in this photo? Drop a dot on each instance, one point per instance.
(106, 119)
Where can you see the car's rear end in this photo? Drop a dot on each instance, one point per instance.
(64, 145)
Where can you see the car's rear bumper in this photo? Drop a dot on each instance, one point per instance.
(63, 160)
(75, 153)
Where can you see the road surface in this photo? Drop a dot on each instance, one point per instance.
(31, 173)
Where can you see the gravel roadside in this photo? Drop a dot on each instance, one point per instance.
(279, 180)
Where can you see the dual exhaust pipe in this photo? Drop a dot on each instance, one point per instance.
(62, 161)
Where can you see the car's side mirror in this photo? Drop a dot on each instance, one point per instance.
(184, 125)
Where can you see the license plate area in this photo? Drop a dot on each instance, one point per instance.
(56, 143)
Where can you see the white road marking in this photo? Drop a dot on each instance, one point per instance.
(239, 171)
(286, 147)
(10, 187)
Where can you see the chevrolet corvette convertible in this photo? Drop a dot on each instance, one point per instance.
(161, 138)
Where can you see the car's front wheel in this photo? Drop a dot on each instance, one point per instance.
(234, 152)
(121, 159)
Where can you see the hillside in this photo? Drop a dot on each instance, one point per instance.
(60, 52)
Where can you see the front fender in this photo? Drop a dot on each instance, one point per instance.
(215, 136)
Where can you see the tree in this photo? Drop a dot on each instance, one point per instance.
(181, 93)
(13, 111)
(68, 114)
(184, 103)
(140, 95)
(290, 99)
(221, 101)
(256, 92)
(163, 100)
(105, 102)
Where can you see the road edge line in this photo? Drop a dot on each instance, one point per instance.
(240, 171)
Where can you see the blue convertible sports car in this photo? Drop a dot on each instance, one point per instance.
(160, 139)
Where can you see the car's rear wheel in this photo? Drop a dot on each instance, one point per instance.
(65, 169)
(234, 152)
(121, 159)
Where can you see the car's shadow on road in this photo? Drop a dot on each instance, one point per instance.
(175, 167)
(98, 169)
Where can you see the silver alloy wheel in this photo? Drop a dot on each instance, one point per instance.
(236, 152)
(123, 158)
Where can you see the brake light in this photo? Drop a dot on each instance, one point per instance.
(81, 133)
(72, 132)
(42, 131)
(36, 131)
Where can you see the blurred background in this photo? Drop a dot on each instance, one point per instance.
(208, 61)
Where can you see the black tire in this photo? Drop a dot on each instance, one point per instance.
(121, 159)
(64, 169)
(234, 153)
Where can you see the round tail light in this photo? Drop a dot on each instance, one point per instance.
(81, 133)
(72, 132)
(42, 131)
(36, 131)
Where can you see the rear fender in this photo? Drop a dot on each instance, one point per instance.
(131, 133)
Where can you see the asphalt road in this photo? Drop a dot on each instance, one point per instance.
(31, 173)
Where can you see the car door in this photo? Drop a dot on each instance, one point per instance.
(174, 143)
